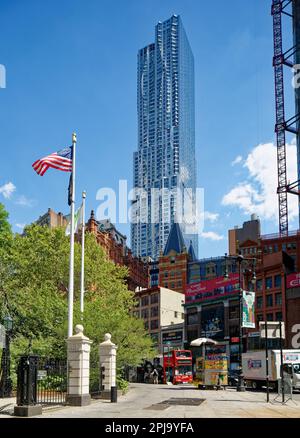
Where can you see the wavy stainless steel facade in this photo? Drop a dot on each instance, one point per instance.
(165, 160)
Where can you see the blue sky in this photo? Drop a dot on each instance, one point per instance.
(71, 66)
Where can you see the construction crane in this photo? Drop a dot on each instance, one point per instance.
(284, 58)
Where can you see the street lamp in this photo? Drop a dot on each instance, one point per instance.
(6, 383)
(240, 259)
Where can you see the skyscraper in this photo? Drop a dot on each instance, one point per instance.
(164, 165)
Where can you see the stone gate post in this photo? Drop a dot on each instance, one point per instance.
(107, 359)
(78, 368)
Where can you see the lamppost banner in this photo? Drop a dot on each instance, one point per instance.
(248, 309)
(2, 336)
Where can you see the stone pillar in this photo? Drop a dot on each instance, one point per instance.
(78, 368)
(107, 358)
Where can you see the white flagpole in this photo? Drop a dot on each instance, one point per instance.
(71, 272)
(82, 255)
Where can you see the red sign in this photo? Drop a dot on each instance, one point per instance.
(212, 289)
(293, 280)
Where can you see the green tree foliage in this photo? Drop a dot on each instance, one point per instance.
(34, 285)
(5, 228)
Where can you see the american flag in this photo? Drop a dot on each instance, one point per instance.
(61, 160)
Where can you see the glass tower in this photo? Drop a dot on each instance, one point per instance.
(164, 164)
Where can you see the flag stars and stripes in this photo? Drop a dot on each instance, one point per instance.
(61, 160)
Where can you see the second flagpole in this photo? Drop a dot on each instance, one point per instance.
(82, 256)
(71, 269)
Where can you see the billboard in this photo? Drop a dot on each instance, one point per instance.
(212, 289)
(248, 309)
(212, 322)
(293, 280)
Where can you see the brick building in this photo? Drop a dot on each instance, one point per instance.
(278, 257)
(160, 308)
(249, 231)
(172, 265)
(52, 219)
(114, 244)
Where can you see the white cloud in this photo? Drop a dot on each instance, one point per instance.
(7, 190)
(258, 194)
(21, 226)
(211, 217)
(211, 235)
(237, 160)
(25, 202)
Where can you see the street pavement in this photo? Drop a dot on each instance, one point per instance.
(162, 401)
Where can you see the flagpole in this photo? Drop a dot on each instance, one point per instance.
(82, 255)
(71, 271)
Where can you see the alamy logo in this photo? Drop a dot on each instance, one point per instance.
(2, 76)
(296, 337)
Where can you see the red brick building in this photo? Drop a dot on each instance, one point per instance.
(277, 257)
(173, 262)
(114, 244)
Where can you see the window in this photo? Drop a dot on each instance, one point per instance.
(192, 318)
(145, 301)
(259, 302)
(175, 314)
(166, 274)
(259, 285)
(278, 316)
(277, 280)
(234, 331)
(259, 318)
(233, 312)
(154, 324)
(269, 316)
(269, 300)
(154, 298)
(144, 313)
(154, 311)
(269, 282)
(278, 299)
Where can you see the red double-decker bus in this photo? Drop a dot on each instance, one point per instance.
(178, 367)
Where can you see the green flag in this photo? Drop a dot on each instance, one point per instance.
(77, 222)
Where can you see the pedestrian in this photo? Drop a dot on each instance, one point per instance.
(155, 376)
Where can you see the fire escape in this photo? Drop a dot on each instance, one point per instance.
(281, 59)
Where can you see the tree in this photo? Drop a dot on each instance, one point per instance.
(5, 228)
(35, 282)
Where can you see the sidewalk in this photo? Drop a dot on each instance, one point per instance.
(161, 401)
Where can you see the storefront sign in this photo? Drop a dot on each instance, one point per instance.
(212, 289)
(172, 337)
(293, 280)
(248, 309)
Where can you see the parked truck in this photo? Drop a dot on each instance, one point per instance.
(254, 368)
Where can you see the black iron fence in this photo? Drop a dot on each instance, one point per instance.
(95, 378)
(51, 381)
